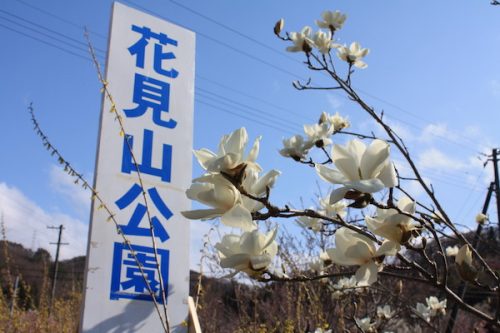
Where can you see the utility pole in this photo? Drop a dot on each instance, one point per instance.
(56, 264)
(462, 289)
(14, 296)
(494, 187)
(497, 182)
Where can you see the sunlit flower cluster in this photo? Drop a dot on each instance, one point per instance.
(359, 168)
(228, 172)
(345, 286)
(385, 312)
(353, 248)
(317, 135)
(366, 325)
(451, 251)
(252, 252)
(432, 308)
(323, 41)
(353, 54)
(391, 224)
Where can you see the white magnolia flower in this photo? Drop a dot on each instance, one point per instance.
(331, 20)
(346, 283)
(230, 156)
(436, 306)
(353, 54)
(432, 308)
(338, 122)
(320, 330)
(385, 312)
(295, 147)
(323, 41)
(352, 248)
(366, 324)
(452, 251)
(345, 286)
(317, 266)
(481, 218)
(302, 41)
(319, 134)
(217, 192)
(464, 256)
(257, 186)
(392, 225)
(332, 210)
(423, 311)
(252, 252)
(366, 170)
(311, 223)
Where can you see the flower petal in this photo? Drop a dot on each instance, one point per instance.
(254, 152)
(204, 156)
(346, 159)
(388, 248)
(238, 217)
(236, 142)
(388, 175)
(239, 261)
(260, 262)
(202, 214)
(259, 187)
(366, 275)
(330, 175)
(374, 159)
(338, 257)
(366, 186)
(338, 194)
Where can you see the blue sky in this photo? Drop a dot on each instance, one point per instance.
(433, 68)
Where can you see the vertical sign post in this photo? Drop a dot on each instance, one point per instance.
(150, 74)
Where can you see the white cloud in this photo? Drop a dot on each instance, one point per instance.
(495, 87)
(435, 159)
(26, 223)
(333, 101)
(431, 131)
(199, 232)
(64, 184)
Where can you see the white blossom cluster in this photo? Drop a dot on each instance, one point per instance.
(431, 309)
(251, 251)
(323, 41)
(234, 179)
(317, 135)
(345, 286)
(235, 188)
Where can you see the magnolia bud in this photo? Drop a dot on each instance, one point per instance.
(399, 287)
(323, 118)
(481, 218)
(278, 27)
(464, 265)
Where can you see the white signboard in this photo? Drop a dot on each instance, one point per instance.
(150, 74)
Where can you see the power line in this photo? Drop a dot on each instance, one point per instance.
(245, 117)
(227, 111)
(60, 18)
(244, 106)
(46, 43)
(252, 96)
(47, 29)
(292, 74)
(235, 31)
